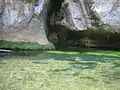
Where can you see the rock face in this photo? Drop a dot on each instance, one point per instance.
(1, 6)
(23, 21)
(83, 14)
(27, 22)
(108, 11)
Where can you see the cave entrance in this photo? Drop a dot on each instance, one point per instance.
(55, 32)
(56, 5)
(63, 38)
(60, 35)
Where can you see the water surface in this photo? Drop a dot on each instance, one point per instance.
(58, 70)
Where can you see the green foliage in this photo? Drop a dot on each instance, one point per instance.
(25, 46)
(50, 46)
(29, 1)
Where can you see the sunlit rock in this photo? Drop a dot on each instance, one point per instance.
(83, 14)
(23, 21)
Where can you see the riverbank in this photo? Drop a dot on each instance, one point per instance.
(17, 46)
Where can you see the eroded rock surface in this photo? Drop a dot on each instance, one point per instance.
(22, 21)
(84, 14)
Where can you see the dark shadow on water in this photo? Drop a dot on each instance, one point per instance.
(90, 78)
(83, 65)
(112, 77)
(116, 65)
(41, 56)
(61, 70)
(74, 74)
(2, 64)
(38, 62)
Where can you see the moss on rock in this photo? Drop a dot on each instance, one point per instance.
(25, 46)
(29, 1)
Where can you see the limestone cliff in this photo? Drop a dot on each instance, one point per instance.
(28, 20)
(84, 14)
(24, 21)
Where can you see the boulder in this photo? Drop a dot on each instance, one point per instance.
(24, 21)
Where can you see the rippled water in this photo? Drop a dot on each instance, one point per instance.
(50, 70)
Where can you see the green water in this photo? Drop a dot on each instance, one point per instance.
(58, 70)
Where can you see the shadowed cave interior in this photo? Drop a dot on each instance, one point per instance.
(65, 39)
